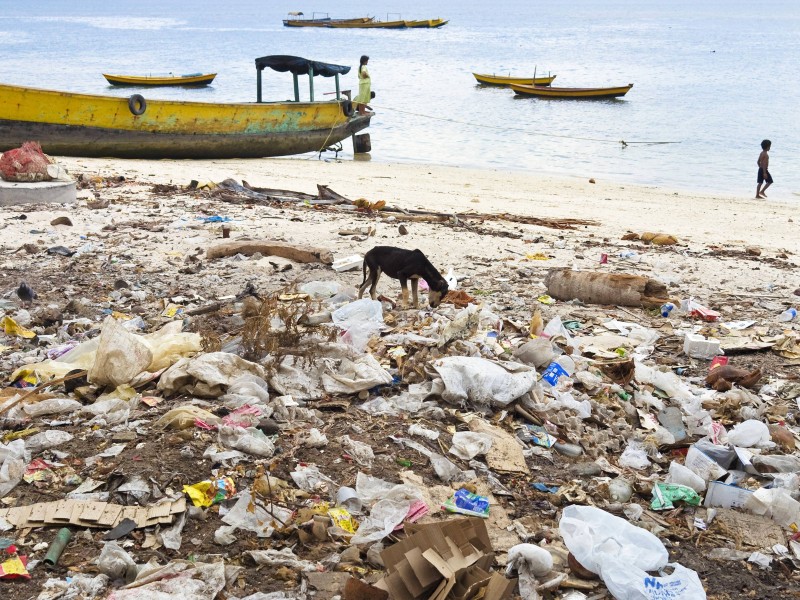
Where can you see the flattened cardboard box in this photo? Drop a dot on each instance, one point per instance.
(447, 560)
(90, 514)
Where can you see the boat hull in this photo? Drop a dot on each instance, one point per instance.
(426, 23)
(145, 81)
(323, 22)
(67, 124)
(369, 25)
(500, 80)
(571, 93)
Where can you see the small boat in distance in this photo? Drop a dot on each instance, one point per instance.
(429, 23)
(541, 91)
(367, 23)
(323, 20)
(71, 124)
(193, 79)
(507, 81)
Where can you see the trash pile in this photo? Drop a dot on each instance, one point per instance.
(301, 443)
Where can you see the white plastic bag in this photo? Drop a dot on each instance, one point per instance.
(469, 444)
(595, 536)
(362, 453)
(627, 583)
(250, 440)
(750, 434)
(683, 476)
(480, 381)
(634, 456)
(116, 563)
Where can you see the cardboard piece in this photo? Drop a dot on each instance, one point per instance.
(703, 465)
(90, 514)
(443, 561)
(505, 455)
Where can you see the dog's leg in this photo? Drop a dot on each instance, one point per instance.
(364, 284)
(404, 285)
(414, 285)
(372, 290)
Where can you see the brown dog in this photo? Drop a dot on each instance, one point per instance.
(402, 264)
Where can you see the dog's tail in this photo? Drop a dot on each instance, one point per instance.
(364, 273)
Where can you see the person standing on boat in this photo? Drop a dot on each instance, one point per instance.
(364, 87)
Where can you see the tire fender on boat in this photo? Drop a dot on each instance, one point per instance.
(137, 104)
(347, 108)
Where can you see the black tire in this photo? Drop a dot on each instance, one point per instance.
(137, 104)
(347, 108)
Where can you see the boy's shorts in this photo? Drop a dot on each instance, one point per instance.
(762, 179)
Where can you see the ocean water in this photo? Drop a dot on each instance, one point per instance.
(711, 79)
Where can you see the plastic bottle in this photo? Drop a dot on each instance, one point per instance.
(666, 309)
(788, 315)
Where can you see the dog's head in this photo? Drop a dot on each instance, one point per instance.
(437, 292)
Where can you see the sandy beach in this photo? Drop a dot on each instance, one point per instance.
(135, 245)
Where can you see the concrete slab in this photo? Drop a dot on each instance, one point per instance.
(43, 192)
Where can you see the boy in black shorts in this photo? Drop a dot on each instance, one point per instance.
(764, 178)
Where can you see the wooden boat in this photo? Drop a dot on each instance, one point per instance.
(194, 79)
(576, 93)
(429, 23)
(368, 25)
(507, 81)
(70, 124)
(321, 21)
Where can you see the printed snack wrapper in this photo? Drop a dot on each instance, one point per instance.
(206, 493)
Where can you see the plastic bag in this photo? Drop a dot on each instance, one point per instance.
(46, 439)
(634, 456)
(116, 563)
(416, 429)
(250, 440)
(353, 376)
(469, 444)
(626, 583)
(120, 356)
(595, 537)
(530, 561)
(445, 470)
(362, 453)
(246, 389)
(683, 476)
(184, 417)
(360, 320)
(12, 465)
(480, 381)
(750, 434)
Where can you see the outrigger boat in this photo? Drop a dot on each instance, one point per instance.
(323, 21)
(69, 124)
(387, 24)
(429, 23)
(194, 79)
(576, 93)
(507, 81)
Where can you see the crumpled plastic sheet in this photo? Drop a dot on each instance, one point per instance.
(480, 381)
(389, 506)
(79, 587)
(178, 579)
(207, 375)
(362, 453)
(252, 516)
(116, 563)
(13, 459)
(246, 389)
(296, 378)
(530, 561)
(280, 558)
(352, 376)
(310, 479)
(469, 444)
(250, 440)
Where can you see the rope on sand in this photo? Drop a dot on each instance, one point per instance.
(527, 131)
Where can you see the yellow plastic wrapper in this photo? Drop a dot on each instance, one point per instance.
(11, 327)
(14, 568)
(545, 299)
(206, 493)
(343, 519)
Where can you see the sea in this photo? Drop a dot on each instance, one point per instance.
(711, 78)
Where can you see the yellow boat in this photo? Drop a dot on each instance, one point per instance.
(575, 93)
(429, 23)
(321, 21)
(194, 79)
(368, 25)
(69, 124)
(507, 81)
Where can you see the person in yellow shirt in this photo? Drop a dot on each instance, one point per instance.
(364, 87)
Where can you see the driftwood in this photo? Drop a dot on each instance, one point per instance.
(232, 191)
(605, 288)
(295, 252)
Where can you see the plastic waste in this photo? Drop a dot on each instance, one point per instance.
(697, 346)
(250, 440)
(750, 434)
(446, 470)
(620, 490)
(665, 495)
(568, 449)
(45, 440)
(466, 503)
(13, 459)
(537, 352)
(321, 290)
(672, 420)
(362, 453)
(666, 309)
(529, 561)
(469, 444)
(681, 475)
(246, 389)
(116, 563)
(788, 315)
(315, 439)
(184, 417)
(210, 491)
(634, 456)
(120, 356)
(416, 429)
(480, 381)
(626, 583)
(50, 406)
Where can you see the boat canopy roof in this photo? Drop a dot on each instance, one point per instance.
(300, 66)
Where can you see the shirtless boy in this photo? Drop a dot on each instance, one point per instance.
(764, 178)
